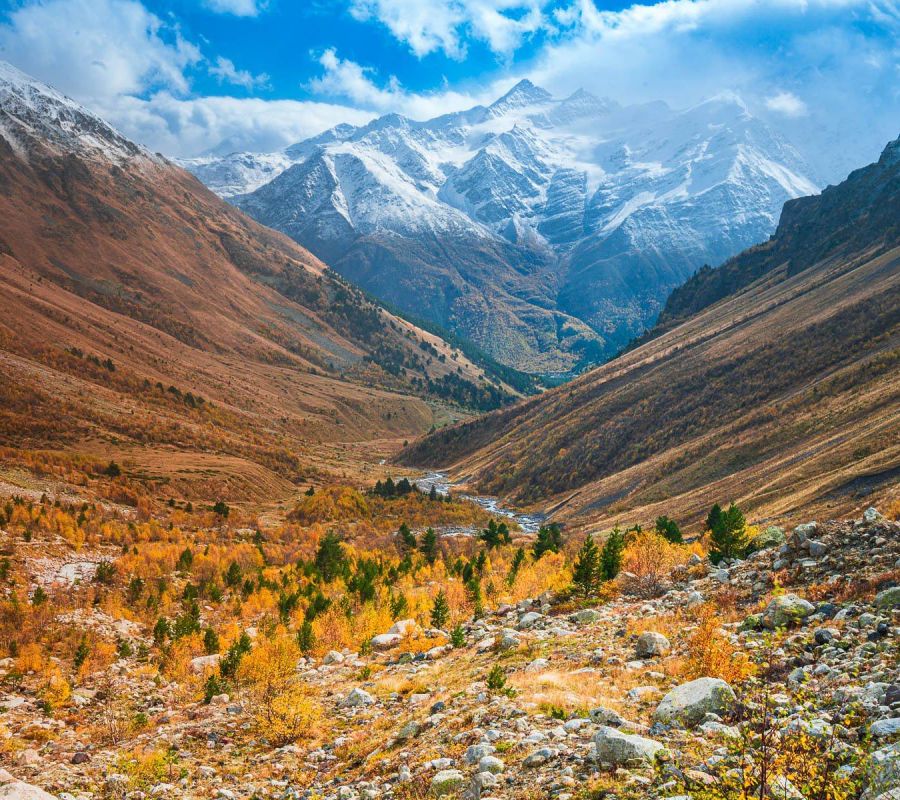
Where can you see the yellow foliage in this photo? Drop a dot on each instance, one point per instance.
(30, 659)
(282, 708)
(651, 558)
(57, 691)
(711, 653)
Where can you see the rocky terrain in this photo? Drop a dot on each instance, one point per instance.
(539, 699)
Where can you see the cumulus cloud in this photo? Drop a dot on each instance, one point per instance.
(786, 103)
(225, 70)
(239, 8)
(187, 127)
(97, 48)
(343, 78)
(444, 26)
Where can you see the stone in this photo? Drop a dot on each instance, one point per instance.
(586, 616)
(490, 764)
(617, 748)
(403, 627)
(651, 644)
(872, 515)
(528, 620)
(607, 717)
(509, 640)
(385, 641)
(446, 781)
(786, 609)
(476, 752)
(817, 549)
(333, 657)
(888, 598)
(883, 771)
(11, 789)
(80, 758)
(689, 703)
(358, 697)
(537, 665)
(201, 664)
(539, 757)
(884, 728)
(773, 536)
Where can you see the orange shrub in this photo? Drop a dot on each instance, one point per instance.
(650, 558)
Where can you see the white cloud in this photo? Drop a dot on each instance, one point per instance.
(239, 8)
(786, 103)
(443, 26)
(186, 127)
(347, 79)
(226, 72)
(96, 48)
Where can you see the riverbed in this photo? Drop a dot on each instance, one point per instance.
(529, 523)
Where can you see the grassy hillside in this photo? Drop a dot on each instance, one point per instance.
(734, 401)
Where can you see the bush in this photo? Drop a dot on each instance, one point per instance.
(496, 679)
(650, 558)
(281, 707)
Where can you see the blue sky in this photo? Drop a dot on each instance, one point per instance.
(190, 76)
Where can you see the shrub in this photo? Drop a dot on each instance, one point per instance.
(650, 558)
(281, 706)
(496, 679)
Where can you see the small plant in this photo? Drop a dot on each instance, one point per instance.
(458, 636)
(440, 611)
(496, 679)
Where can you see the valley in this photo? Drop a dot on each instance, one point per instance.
(263, 537)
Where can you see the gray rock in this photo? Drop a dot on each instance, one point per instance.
(586, 616)
(333, 657)
(385, 641)
(888, 598)
(651, 644)
(883, 772)
(11, 789)
(358, 697)
(446, 781)
(689, 703)
(770, 537)
(476, 752)
(607, 717)
(617, 748)
(528, 620)
(490, 764)
(817, 549)
(539, 757)
(885, 727)
(786, 609)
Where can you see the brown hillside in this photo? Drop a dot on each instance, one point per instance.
(782, 396)
(143, 315)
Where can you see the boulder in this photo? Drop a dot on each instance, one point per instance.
(333, 657)
(201, 664)
(786, 609)
(11, 789)
(883, 771)
(773, 536)
(358, 697)
(617, 748)
(446, 781)
(888, 598)
(885, 728)
(385, 641)
(689, 703)
(402, 627)
(528, 619)
(651, 644)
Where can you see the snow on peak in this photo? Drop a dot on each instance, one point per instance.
(35, 114)
(522, 95)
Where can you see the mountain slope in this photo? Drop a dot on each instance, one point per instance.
(547, 231)
(131, 292)
(734, 401)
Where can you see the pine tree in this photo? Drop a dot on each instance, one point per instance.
(473, 589)
(407, 538)
(729, 536)
(495, 534)
(611, 556)
(433, 495)
(586, 572)
(330, 559)
(440, 611)
(669, 529)
(549, 540)
(516, 565)
(233, 575)
(714, 518)
(428, 546)
(305, 638)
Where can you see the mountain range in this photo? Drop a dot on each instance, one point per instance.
(547, 231)
(147, 319)
(771, 380)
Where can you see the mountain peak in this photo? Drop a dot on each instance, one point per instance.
(36, 113)
(523, 94)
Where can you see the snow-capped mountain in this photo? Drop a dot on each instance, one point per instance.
(32, 111)
(549, 231)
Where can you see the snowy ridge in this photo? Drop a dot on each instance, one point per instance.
(628, 201)
(32, 111)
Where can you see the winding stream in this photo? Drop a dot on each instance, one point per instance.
(529, 523)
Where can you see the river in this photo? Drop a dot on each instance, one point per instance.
(529, 523)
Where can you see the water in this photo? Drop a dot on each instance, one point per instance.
(529, 523)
